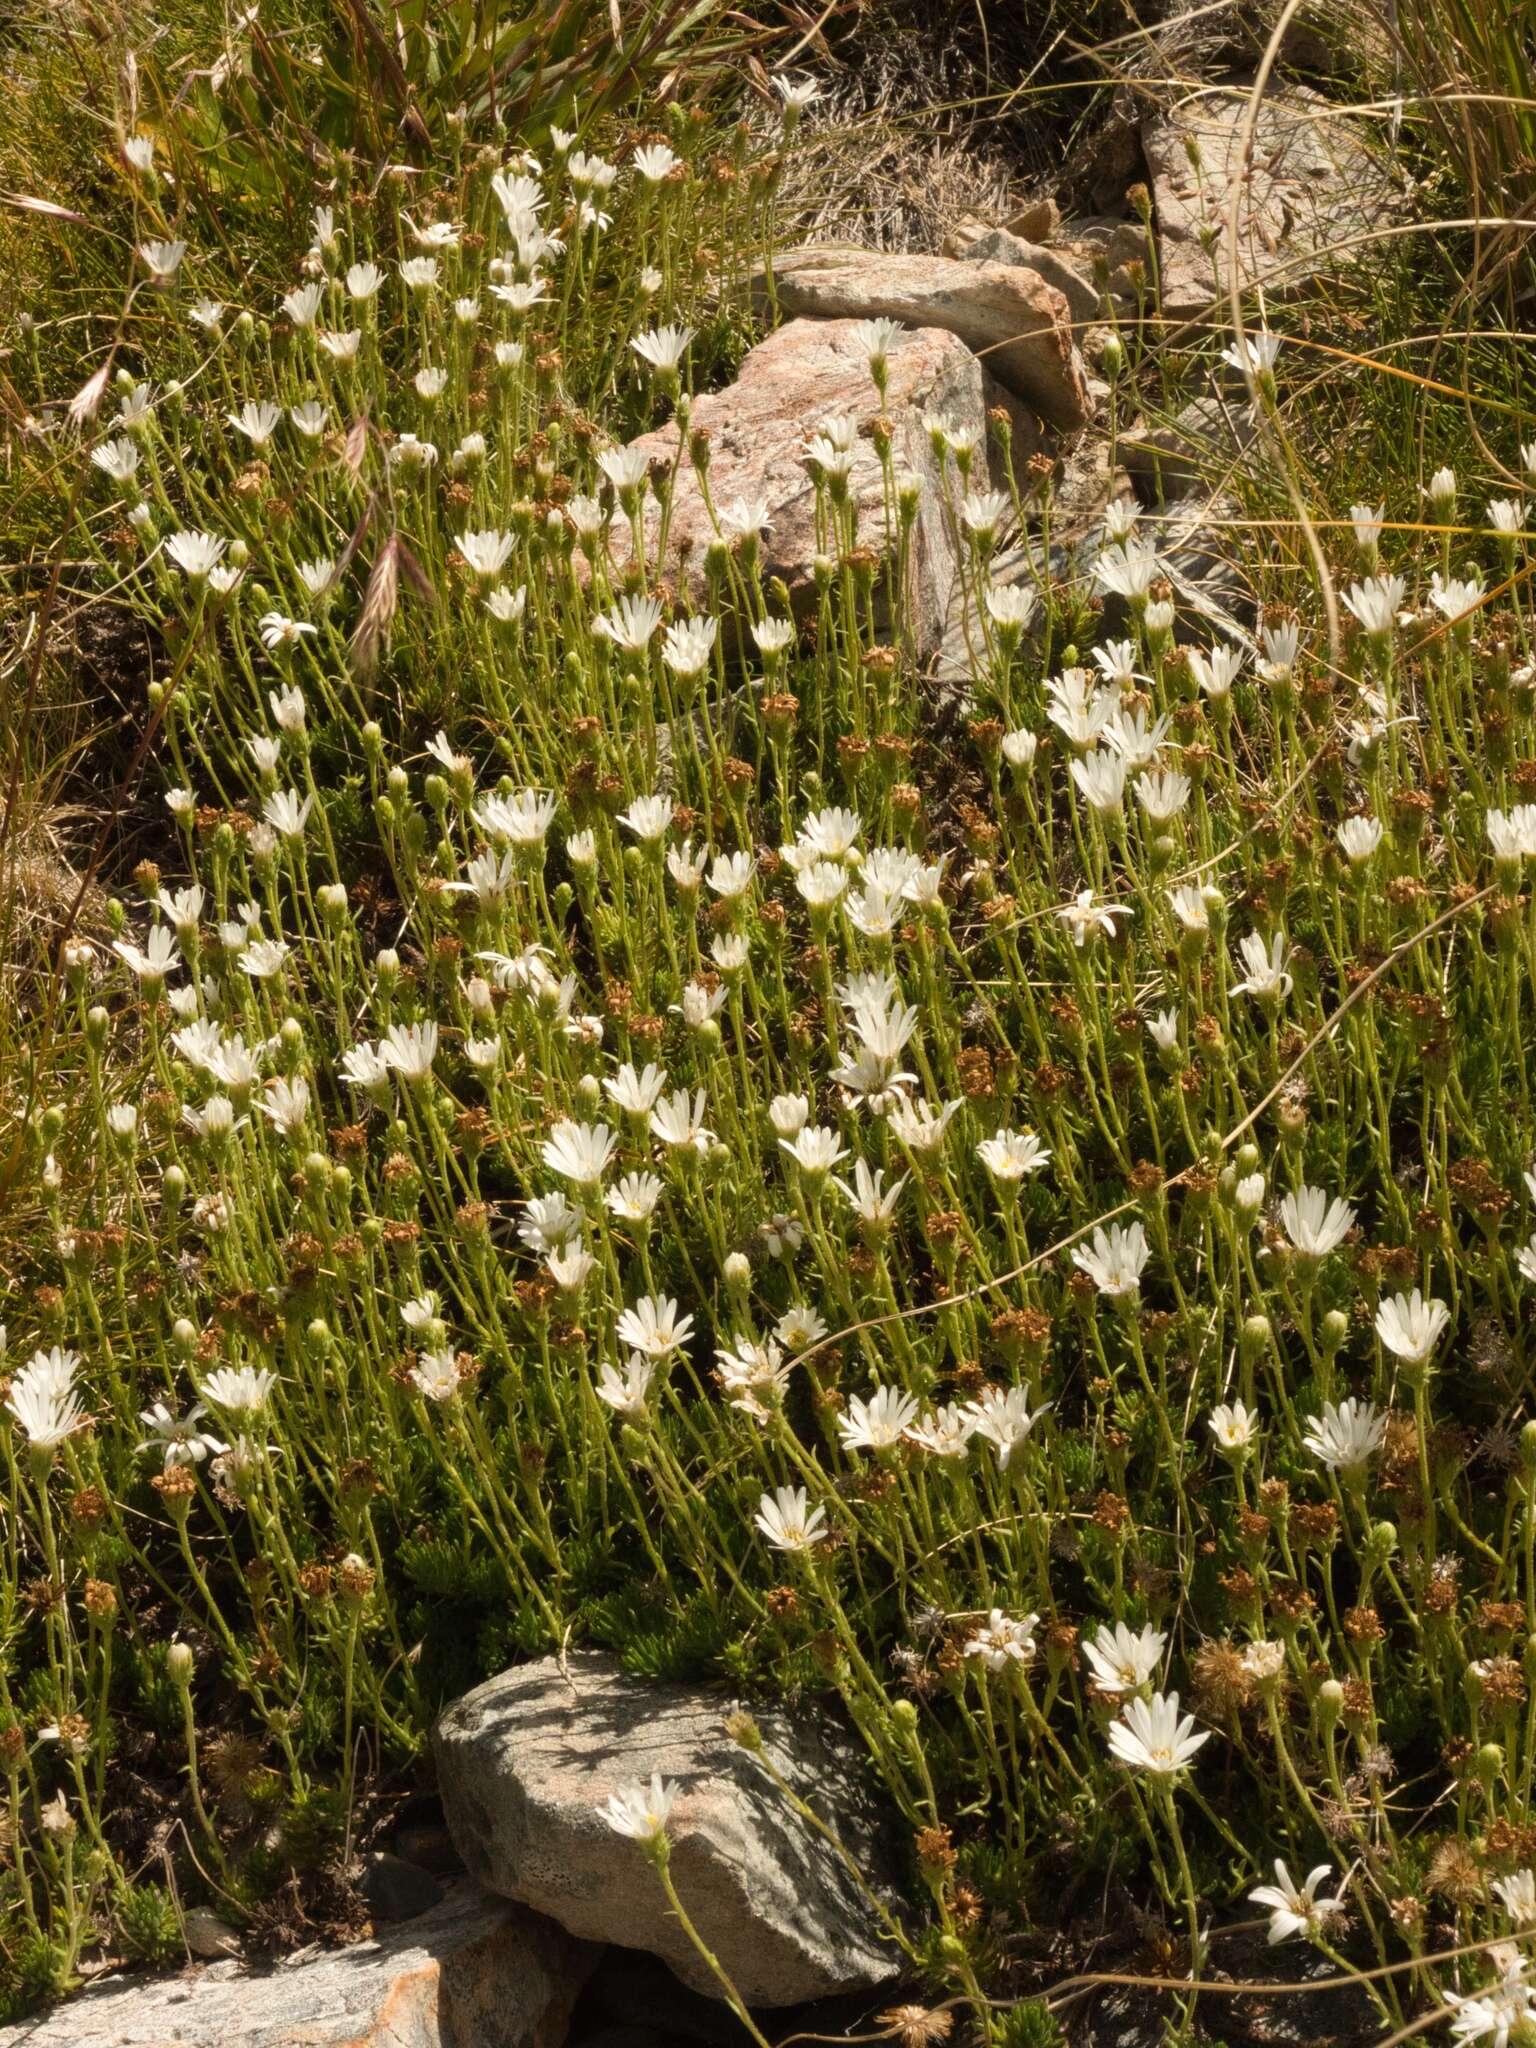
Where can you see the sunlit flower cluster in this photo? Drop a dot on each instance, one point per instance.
(610, 1122)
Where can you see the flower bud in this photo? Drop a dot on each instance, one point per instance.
(1255, 1339)
(354, 1579)
(744, 1731)
(180, 1665)
(100, 1602)
(1293, 1120)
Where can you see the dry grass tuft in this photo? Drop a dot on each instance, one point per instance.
(41, 881)
(918, 128)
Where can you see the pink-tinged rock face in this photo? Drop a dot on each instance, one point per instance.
(759, 428)
(1017, 323)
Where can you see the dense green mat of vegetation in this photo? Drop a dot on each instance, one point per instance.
(547, 1101)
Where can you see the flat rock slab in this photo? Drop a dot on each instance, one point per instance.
(1018, 324)
(1315, 184)
(475, 1972)
(998, 245)
(759, 428)
(526, 1760)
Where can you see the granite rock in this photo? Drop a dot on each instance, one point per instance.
(476, 1972)
(1020, 325)
(527, 1761)
(1316, 184)
(758, 429)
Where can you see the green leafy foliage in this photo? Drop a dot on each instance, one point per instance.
(148, 1923)
(585, 1101)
